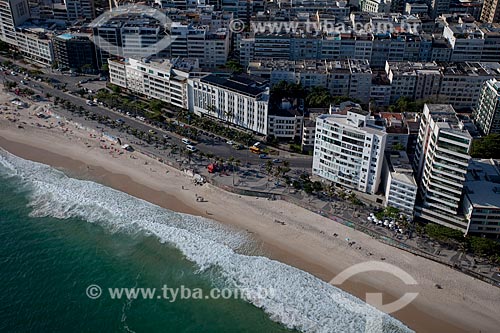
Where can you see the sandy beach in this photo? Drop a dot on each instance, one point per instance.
(306, 241)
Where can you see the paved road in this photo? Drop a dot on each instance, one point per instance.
(206, 144)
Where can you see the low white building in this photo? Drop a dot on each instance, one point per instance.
(285, 118)
(308, 135)
(240, 100)
(165, 80)
(400, 185)
(349, 149)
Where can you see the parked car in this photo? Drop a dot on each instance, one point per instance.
(263, 156)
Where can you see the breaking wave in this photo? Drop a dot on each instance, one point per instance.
(299, 300)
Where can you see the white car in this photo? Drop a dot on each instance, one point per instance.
(230, 142)
(191, 148)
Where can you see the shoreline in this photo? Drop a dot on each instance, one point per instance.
(296, 244)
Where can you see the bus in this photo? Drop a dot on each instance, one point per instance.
(255, 150)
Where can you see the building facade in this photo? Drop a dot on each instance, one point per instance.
(400, 185)
(487, 112)
(238, 100)
(165, 80)
(348, 149)
(441, 161)
(482, 198)
(75, 51)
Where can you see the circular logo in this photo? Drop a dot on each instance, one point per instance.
(374, 320)
(236, 26)
(93, 291)
(123, 25)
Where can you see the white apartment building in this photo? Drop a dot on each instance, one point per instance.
(349, 149)
(117, 72)
(413, 79)
(466, 40)
(36, 45)
(308, 134)
(461, 82)
(238, 100)
(376, 6)
(209, 45)
(165, 80)
(80, 8)
(342, 78)
(247, 50)
(12, 14)
(487, 112)
(481, 201)
(458, 84)
(285, 121)
(400, 185)
(441, 160)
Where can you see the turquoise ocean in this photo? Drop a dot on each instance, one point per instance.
(58, 235)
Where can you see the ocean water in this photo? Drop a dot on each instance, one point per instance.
(58, 235)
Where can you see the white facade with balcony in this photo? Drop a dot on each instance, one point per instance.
(236, 100)
(165, 80)
(349, 150)
(441, 160)
(400, 187)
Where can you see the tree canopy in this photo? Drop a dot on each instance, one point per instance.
(406, 104)
(486, 147)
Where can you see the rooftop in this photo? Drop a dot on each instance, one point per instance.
(400, 167)
(242, 84)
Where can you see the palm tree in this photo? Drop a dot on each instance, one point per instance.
(229, 116)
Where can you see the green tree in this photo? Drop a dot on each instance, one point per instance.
(155, 105)
(308, 187)
(319, 97)
(234, 66)
(317, 186)
(483, 246)
(486, 147)
(444, 234)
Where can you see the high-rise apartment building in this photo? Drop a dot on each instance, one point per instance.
(441, 161)
(487, 112)
(349, 149)
(12, 14)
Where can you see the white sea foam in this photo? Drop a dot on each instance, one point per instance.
(299, 300)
